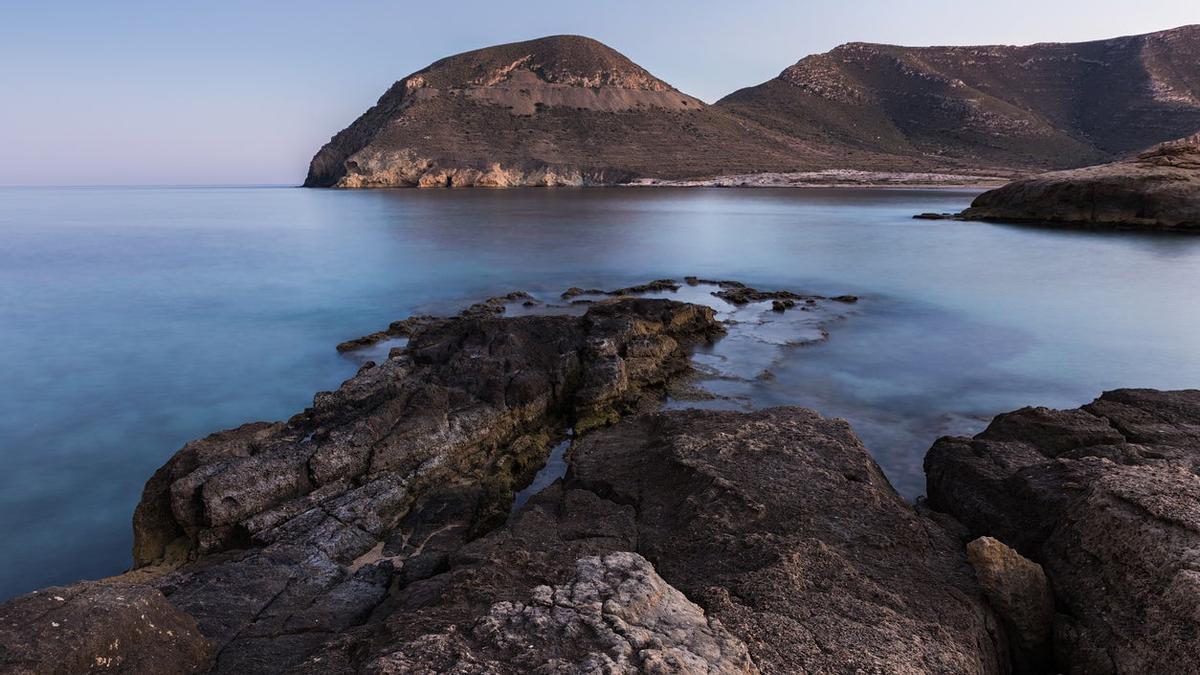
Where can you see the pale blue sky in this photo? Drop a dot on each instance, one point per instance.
(244, 92)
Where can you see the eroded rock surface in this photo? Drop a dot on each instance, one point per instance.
(777, 524)
(1159, 189)
(1107, 499)
(279, 536)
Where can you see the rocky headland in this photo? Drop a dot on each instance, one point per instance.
(1159, 189)
(376, 531)
(568, 110)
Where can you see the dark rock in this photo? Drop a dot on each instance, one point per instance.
(776, 544)
(1159, 189)
(740, 294)
(99, 627)
(782, 305)
(1106, 499)
(277, 537)
(650, 287)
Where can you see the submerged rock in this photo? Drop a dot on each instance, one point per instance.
(1159, 189)
(1107, 499)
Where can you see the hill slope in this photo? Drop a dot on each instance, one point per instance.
(557, 110)
(1044, 105)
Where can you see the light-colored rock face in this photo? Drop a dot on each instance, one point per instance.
(1017, 588)
(614, 615)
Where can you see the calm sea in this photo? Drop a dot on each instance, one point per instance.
(133, 320)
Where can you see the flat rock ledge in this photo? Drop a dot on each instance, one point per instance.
(374, 532)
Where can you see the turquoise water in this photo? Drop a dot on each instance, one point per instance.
(133, 320)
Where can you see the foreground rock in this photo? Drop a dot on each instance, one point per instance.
(282, 535)
(1159, 190)
(99, 627)
(777, 545)
(1107, 499)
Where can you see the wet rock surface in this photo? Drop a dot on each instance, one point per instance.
(1107, 499)
(1157, 190)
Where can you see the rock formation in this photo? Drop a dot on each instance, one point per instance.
(1159, 189)
(1106, 498)
(376, 532)
(777, 546)
(567, 110)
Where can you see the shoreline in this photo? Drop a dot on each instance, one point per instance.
(398, 514)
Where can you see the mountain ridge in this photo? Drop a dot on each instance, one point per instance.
(569, 110)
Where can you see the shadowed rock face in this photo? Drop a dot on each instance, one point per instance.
(777, 524)
(1107, 499)
(1159, 189)
(1044, 105)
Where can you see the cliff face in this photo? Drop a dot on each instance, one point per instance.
(1050, 105)
(562, 110)
(1158, 189)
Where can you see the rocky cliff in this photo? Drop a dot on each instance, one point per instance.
(567, 110)
(1044, 105)
(1158, 189)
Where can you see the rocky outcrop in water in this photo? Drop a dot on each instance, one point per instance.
(1159, 190)
(1106, 498)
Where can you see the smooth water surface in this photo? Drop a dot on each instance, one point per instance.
(134, 320)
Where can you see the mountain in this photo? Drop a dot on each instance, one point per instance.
(1158, 189)
(1048, 105)
(568, 110)
(557, 110)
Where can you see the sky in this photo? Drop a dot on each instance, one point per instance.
(189, 93)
